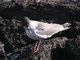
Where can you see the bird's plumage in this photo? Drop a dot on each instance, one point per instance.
(39, 30)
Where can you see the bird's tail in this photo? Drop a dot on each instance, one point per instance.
(67, 25)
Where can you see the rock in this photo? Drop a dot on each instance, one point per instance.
(64, 45)
(2, 48)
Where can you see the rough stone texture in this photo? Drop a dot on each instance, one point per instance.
(62, 46)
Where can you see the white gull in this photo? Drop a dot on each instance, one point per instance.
(37, 30)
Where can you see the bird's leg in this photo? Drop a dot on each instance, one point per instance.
(35, 48)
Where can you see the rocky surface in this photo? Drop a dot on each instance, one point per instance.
(15, 45)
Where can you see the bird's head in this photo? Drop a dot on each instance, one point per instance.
(26, 21)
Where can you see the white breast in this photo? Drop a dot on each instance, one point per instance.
(31, 34)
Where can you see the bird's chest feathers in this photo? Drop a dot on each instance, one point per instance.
(31, 34)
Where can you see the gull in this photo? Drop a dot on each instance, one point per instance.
(37, 30)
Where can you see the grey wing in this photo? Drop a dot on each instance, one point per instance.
(40, 27)
(46, 32)
(48, 29)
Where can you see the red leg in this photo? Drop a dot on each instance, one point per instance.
(35, 48)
